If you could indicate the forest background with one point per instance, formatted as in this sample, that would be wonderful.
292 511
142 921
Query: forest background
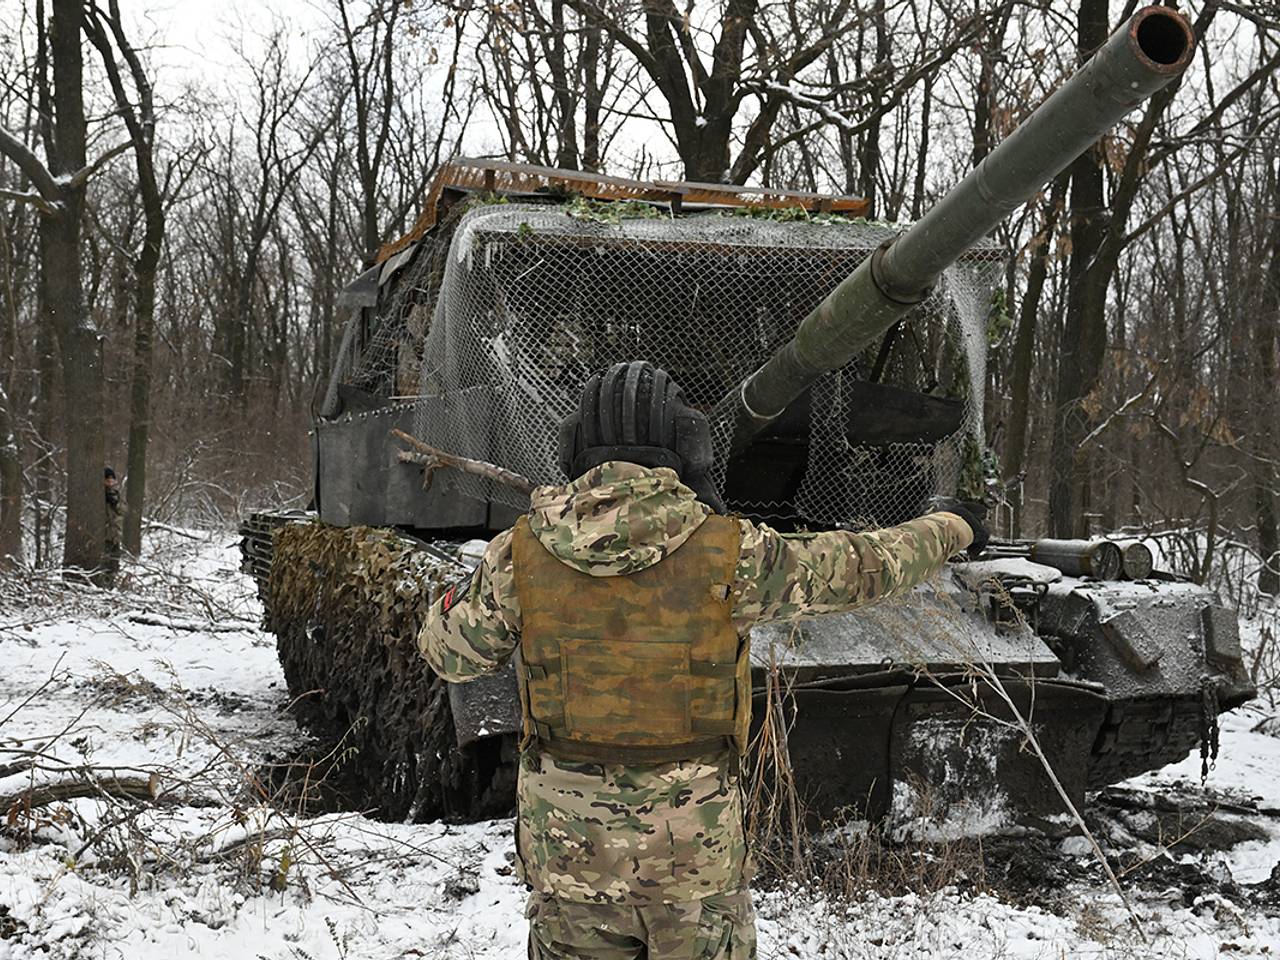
174 228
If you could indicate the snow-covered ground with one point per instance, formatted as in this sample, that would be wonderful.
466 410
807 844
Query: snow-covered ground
167 691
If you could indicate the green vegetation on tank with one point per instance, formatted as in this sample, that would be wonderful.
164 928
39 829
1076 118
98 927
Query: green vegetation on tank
612 211
999 322
799 214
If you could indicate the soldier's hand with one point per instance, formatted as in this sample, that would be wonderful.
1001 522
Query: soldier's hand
972 512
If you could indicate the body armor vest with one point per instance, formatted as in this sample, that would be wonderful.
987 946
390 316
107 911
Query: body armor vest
641 668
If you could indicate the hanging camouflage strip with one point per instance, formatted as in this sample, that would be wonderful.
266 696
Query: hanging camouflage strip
336 578
345 605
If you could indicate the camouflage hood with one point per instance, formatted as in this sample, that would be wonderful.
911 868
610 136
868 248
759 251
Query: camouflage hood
616 518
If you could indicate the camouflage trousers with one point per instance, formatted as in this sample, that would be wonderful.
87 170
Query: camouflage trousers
719 927
110 569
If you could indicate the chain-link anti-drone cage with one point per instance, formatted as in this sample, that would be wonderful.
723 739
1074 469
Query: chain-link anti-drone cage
507 308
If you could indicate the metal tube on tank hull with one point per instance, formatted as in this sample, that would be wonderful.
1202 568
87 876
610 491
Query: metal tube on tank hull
1144 55
1136 559
1100 559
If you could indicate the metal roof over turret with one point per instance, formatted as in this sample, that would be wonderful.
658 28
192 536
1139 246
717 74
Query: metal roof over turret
464 175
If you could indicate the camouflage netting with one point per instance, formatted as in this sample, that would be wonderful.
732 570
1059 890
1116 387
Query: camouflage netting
495 320
345 605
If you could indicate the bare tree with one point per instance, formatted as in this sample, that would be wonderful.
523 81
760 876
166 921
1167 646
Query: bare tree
549 80
1099 236
58 188
369 49
706 68
251 190
17 235
316 203
105 29
1040 253
1266 468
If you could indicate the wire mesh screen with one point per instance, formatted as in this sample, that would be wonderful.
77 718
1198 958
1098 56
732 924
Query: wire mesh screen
499 319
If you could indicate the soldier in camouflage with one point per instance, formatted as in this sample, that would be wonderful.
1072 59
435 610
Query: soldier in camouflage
113 532
649 860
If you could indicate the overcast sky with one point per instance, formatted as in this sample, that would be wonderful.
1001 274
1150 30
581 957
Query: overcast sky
197 38
196 41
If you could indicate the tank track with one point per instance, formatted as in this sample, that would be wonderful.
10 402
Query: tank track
360 680
255 544
1140 735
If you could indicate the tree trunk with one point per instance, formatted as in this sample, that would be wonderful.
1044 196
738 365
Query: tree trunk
1268 540
991 51
239 332
593 99
1015 455
140 121
843 138
10 451
1265 475
1085 332
10 487
922 162
140 394
79 342
703 134
869 154
80 353
327 298
46 364
566 126
707 157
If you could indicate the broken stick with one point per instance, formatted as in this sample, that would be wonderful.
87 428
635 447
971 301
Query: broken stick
432 459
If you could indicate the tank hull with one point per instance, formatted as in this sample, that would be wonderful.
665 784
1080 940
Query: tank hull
914 711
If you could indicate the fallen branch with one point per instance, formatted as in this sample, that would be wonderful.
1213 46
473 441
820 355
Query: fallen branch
260 839
18 766
1128 798
128 788
188 625
177 531
433 459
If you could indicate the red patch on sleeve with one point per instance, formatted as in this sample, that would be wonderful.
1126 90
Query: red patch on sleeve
456 592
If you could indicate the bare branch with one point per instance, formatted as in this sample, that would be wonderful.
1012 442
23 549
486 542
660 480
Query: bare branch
1121 411
31 165
81 176
37 201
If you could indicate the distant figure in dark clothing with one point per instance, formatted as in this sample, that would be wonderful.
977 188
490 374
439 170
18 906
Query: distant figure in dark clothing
114 529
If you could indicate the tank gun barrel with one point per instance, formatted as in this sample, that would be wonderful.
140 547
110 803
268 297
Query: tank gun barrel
1152 48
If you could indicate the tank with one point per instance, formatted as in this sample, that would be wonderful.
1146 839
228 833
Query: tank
841 361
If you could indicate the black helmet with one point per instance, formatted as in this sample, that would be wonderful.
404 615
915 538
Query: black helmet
636 412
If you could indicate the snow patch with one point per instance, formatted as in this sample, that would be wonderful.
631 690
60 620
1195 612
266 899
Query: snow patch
356 889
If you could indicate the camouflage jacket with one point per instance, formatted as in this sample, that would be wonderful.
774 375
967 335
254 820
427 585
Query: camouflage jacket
113 532
668 832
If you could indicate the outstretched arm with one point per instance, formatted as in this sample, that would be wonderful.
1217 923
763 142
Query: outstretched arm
475 626
782 576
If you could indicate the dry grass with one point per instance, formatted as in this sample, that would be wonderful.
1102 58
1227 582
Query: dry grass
212 803
846 859
251 822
